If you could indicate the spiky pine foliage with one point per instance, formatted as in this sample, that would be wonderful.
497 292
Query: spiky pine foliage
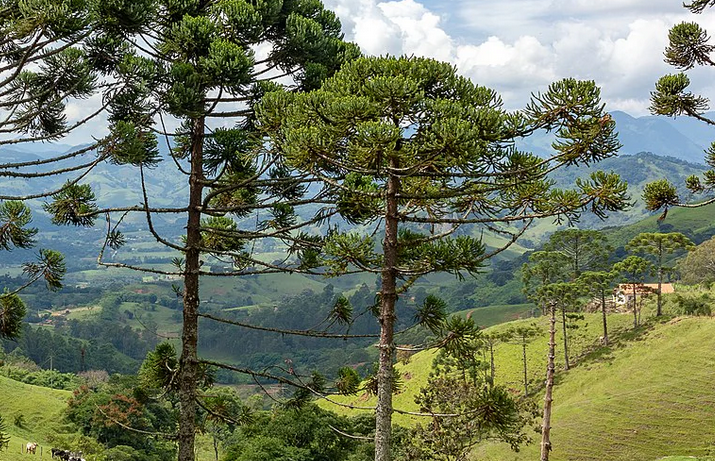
412 148
205 65
12 311
689 46
14 217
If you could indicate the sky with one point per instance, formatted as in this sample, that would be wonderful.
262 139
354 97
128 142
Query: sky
518 47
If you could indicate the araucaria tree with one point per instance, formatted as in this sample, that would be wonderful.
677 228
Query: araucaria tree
466 407
44 64
659 245
583 250
201 66
599 284
544 282
408 146
523 335
689 46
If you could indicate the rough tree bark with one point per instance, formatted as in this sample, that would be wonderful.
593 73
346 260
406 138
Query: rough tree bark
388 297
550 368
188 369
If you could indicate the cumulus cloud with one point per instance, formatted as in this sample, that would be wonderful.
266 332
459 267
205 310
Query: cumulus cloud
520 46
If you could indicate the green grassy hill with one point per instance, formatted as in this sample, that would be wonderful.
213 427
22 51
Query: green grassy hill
643 400
649 396
696 223
41 409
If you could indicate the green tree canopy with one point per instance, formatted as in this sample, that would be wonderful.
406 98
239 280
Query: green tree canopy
634 270
689 46
658 245
699 265
191 73
586 249
410 148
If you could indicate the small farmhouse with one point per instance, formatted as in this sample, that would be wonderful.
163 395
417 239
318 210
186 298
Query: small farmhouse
623 293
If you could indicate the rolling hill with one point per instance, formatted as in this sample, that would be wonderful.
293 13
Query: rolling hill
646 397
41 409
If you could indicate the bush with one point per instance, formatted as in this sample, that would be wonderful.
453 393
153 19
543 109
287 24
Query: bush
695 306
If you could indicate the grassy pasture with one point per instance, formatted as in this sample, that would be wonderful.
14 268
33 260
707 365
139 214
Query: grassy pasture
41 409
648 396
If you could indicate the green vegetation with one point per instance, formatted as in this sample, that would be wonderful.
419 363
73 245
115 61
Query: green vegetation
493 315
41 409
635 401
688 46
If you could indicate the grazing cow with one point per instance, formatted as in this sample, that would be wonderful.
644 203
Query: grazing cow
31 447
64 455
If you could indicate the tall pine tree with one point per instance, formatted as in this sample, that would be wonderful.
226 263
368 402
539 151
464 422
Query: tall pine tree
193 71
409 147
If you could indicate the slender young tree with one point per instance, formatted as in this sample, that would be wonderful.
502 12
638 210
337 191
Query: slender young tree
545 279
585 249
599 284
551 297
547 267
477 410
659 245
634 269
689 46
523 335
410 147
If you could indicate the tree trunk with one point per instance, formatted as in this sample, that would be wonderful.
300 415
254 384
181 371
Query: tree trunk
388 296
526 377
189 337
605 323
659 312
635 308
550 368
492 370
566 339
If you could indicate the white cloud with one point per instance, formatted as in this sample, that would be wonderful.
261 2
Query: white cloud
519 46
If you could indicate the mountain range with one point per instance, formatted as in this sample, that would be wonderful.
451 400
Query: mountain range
674 150
683 138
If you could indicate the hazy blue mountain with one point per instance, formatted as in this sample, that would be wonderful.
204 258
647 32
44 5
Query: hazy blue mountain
683 138
637 170
679 138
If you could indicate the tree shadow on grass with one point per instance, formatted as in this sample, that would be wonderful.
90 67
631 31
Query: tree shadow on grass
619 338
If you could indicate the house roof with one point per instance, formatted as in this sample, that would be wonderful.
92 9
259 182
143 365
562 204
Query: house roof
645 288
